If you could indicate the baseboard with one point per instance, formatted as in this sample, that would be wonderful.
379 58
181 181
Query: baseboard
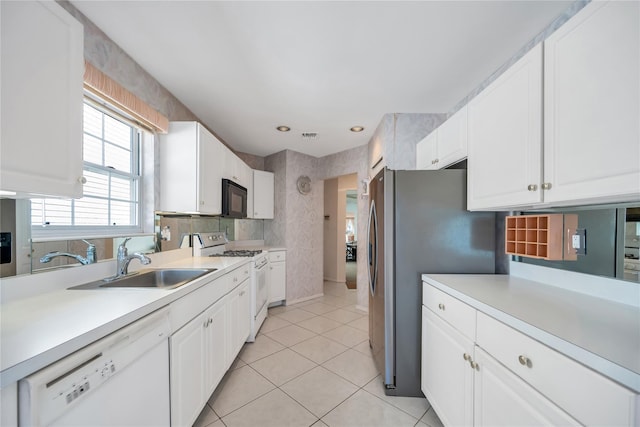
326 279
296 301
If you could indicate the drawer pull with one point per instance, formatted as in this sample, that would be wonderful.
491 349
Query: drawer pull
441 306
525 361
474 365
466 357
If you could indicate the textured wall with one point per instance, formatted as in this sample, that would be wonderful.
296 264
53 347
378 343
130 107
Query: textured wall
303 228
254 162
275 229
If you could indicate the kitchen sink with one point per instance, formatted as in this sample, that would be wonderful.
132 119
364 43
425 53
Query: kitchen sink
167 278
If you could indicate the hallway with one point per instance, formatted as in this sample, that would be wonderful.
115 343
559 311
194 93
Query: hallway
311 365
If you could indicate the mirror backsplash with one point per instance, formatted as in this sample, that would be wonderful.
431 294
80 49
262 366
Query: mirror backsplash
170 232
172 229
612 242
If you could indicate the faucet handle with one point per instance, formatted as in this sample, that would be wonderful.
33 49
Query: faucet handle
91 252
122 248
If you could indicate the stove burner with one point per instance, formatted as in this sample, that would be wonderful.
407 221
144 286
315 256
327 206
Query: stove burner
242 252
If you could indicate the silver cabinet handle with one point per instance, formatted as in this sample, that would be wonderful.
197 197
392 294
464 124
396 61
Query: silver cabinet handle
441 306
82 180
525 361
546 186
474 365
532 187
466 357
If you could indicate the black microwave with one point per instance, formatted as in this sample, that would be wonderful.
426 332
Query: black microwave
234 199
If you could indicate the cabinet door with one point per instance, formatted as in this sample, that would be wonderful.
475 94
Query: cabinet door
263 193
503 399
447 377
210 152
592 105
244 313
41 79
215 352
239 318
452 139
427 151
277 282
505 131
188 355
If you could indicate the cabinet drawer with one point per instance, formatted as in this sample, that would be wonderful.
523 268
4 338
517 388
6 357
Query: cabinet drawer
458 314
277 256
587 396
238 276
194 303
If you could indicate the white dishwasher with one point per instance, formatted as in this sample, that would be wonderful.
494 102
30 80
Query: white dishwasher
120 380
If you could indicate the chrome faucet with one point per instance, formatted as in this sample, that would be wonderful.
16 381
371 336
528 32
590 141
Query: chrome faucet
123 259
91 257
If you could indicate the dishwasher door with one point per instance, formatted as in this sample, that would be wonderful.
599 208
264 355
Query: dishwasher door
120 380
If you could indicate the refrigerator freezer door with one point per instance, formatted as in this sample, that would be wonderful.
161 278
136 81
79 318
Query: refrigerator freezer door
376 268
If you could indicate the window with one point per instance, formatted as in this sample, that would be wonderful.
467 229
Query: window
111 151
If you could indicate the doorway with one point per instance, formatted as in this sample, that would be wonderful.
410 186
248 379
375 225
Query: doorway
340 229
351 238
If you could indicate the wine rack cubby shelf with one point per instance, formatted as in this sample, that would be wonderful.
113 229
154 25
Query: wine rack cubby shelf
540 236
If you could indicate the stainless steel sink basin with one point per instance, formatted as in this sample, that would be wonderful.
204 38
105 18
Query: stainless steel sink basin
168 278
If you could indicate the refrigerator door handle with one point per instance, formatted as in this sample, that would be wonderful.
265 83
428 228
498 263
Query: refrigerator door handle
373 247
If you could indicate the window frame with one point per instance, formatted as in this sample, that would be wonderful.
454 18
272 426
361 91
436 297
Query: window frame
57 232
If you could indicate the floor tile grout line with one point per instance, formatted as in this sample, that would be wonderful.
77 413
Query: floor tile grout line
252 400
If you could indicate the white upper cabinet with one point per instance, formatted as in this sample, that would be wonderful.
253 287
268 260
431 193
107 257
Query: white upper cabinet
236 169
41 79
592 105
505 138
590 152
427 151
191 160
446 145
263 193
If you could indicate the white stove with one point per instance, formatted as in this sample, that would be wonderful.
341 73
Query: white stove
214 244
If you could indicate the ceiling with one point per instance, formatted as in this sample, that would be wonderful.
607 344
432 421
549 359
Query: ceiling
245 68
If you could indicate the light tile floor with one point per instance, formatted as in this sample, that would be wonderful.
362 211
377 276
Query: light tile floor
311 366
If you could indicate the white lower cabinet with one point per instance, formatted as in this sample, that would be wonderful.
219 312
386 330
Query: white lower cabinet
239 320
187 367
447 379
503 399
203 349
493 375
277 276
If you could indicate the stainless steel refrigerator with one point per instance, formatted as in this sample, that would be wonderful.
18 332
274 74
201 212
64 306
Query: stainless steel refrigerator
418 223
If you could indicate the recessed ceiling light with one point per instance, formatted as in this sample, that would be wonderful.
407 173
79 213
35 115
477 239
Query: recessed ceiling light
357 129
283 128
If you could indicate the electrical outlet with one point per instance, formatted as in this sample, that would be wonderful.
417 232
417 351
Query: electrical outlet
579 241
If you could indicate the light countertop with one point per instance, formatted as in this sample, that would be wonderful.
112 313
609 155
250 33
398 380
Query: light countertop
41 329
601 334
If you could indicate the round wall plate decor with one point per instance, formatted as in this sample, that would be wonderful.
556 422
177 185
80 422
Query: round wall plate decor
304 184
